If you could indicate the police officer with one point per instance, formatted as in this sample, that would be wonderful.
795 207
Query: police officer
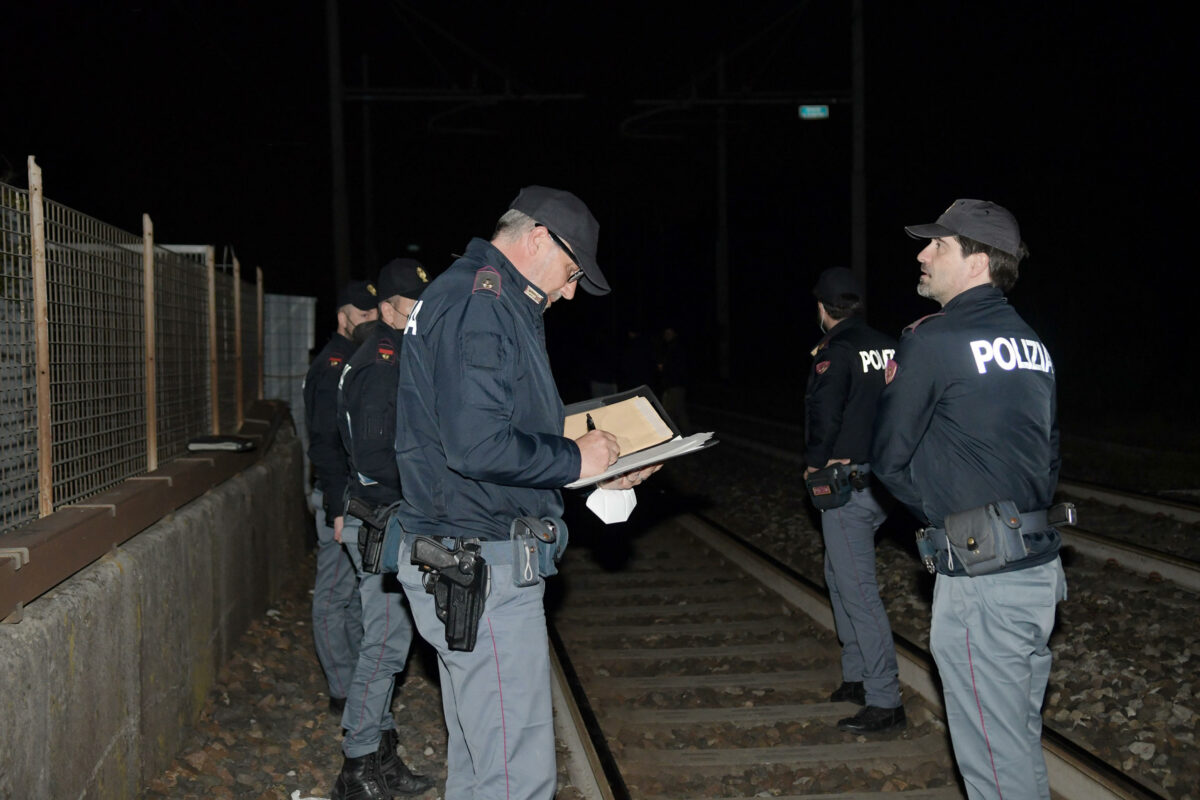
367 420
479 443
337 615
839 411
967 437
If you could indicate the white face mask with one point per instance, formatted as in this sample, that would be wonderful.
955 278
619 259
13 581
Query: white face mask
612 505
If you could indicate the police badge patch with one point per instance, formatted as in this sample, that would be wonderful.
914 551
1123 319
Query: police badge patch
824 365
889 371
487 279
386 351
335 362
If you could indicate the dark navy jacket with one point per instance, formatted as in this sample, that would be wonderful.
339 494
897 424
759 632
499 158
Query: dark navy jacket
367 415
479 421
844 384
325 450
969 414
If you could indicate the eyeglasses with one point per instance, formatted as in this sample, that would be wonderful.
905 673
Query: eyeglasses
578 273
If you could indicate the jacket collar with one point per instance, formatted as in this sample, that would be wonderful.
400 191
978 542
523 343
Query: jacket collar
852 321
513 285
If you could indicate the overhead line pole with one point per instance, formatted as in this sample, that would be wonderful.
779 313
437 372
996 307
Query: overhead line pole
337 146
858 168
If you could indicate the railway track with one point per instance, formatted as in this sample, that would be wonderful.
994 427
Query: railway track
1138 558
701 669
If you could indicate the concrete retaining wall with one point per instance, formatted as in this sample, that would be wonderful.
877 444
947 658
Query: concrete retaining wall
106 675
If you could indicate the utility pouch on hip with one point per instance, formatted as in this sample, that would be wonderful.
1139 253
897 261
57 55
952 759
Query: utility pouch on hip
457 579
927 550
830 487
986 539
538 544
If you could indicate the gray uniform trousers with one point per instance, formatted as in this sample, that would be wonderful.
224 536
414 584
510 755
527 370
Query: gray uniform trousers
496 698
868 652
336 612
989 637
386 640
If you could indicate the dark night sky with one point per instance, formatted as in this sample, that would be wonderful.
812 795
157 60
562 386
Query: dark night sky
213 118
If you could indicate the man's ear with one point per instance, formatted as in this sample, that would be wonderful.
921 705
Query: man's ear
538 239
978 264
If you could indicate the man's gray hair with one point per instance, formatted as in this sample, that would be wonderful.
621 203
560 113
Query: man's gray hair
513 224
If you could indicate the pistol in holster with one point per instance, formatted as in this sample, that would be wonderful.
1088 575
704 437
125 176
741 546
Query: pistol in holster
457 579
374 532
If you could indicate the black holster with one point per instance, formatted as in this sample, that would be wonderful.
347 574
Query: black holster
457 579
371 535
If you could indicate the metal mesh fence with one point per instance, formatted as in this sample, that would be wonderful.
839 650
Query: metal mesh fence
226 351
182 379
249 344
96 321
18 407
97 353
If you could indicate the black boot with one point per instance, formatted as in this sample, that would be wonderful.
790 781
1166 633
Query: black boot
360 779
849 692
873 719
397 777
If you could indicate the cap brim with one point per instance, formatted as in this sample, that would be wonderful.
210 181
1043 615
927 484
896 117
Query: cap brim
930 231
593 279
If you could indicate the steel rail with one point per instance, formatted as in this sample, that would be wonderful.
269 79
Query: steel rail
1137 558
1147 504
1075 773
590 764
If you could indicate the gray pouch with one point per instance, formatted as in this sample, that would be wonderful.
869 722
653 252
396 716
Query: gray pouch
538 544
986 539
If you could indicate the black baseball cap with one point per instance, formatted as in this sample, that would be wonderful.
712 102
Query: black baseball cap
981 220
360 294
838 286
567 216
402 276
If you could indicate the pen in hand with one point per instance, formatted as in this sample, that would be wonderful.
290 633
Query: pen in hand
591 424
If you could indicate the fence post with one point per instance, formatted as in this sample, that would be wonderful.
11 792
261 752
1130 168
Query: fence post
151 369
41 326
239 379
258 276
213 393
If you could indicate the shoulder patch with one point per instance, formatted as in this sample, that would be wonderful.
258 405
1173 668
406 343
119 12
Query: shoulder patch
913 326
821 367
487 279
336 362
889 372
386 351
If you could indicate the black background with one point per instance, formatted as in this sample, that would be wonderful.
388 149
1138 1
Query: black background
213 118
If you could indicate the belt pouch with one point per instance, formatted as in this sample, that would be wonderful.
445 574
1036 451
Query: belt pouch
985 539
525 558
830 487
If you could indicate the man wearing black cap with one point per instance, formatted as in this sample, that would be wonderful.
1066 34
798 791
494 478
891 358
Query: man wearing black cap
839 411
337 617
367 419
967 437
479 443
